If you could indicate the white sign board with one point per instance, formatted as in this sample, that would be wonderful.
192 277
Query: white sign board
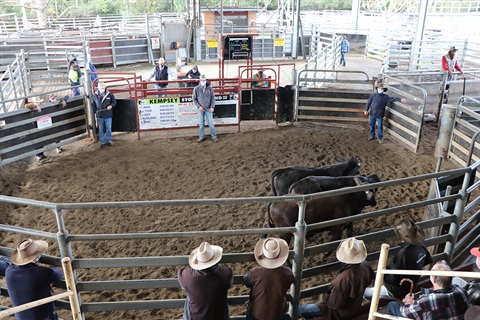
44 122
178 112
155 43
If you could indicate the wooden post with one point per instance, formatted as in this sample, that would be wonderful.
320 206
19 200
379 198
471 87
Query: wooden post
382 263
70 281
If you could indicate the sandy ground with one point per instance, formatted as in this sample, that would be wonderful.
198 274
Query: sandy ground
171 165
174 166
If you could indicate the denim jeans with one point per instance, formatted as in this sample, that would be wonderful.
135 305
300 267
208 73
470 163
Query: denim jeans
342 58
309 311
384 294
394 309
379 122
76 91
201 122
105 129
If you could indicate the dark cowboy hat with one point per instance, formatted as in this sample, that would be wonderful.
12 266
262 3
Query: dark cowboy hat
409 232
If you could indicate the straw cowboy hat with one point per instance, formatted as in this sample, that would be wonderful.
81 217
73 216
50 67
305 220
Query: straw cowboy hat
27 251
271 253
351 251
205 256
409 232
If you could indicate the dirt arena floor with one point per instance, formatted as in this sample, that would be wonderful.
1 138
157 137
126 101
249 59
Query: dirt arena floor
177 167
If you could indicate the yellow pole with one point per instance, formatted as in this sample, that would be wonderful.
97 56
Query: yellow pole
70 281
382 263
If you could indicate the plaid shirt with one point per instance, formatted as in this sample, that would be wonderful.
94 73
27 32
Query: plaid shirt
443 304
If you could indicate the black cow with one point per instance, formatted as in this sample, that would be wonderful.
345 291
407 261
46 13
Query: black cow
313 184
283 178
285 214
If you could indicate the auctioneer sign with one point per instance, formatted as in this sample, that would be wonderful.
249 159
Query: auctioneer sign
178 112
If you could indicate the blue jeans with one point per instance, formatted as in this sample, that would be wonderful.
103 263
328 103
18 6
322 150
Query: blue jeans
105 129
201 122
379 122
309 311
394 309
342 58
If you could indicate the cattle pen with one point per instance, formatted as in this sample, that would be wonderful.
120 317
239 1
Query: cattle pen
442 244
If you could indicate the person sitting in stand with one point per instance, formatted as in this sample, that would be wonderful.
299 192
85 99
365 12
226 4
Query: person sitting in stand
193 74
444 302
260 75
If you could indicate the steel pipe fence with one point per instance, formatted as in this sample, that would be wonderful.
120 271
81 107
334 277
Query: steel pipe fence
300 249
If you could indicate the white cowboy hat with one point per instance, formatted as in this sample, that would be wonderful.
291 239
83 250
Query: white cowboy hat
205 256
351 251
27 251
271 253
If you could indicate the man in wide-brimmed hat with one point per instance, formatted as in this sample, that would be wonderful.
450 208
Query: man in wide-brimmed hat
269 282
344 296
375 109
412 256
27 281
206 284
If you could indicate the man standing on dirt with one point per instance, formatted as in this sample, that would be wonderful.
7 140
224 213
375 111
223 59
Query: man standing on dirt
204 99
103 103
344 48
376 105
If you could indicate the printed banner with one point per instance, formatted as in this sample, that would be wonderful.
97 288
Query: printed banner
178 112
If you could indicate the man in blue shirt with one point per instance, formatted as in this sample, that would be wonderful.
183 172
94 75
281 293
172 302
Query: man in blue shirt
376 105
27 281
344 48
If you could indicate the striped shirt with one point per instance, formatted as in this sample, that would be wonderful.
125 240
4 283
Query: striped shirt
442 304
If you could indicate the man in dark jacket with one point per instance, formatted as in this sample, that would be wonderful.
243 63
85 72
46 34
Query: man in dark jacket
344 296
193 74
269 282
206 284
27 281
204 99
376 105
103 103
412 256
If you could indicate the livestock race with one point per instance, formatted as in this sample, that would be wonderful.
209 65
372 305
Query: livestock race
305 165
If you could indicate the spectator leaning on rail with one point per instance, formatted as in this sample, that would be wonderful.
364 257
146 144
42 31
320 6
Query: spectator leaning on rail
269 282
344 296
204 99
261 76
27 281
193 74
103 103
444 302
412 256
450 63
344 48
206 284
161 72
376 105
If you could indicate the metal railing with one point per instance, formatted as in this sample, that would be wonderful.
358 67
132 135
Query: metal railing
300 250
